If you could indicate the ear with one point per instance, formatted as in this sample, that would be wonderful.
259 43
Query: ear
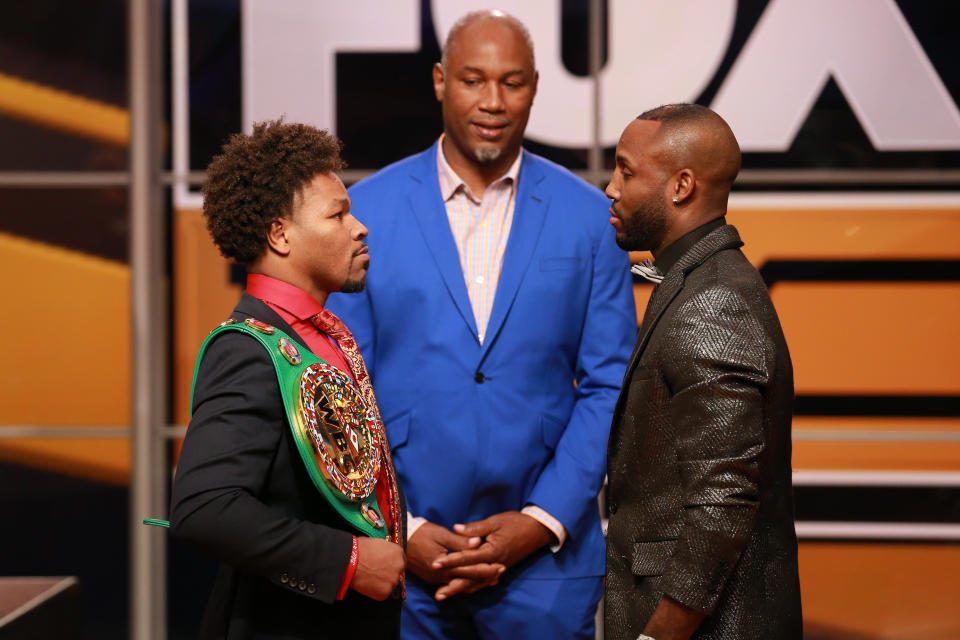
277 237
438 81
536 79
684 183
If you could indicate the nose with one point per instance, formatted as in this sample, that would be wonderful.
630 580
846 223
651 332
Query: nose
360 231
612 190
492 98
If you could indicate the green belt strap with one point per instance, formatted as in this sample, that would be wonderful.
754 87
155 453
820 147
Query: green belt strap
288 377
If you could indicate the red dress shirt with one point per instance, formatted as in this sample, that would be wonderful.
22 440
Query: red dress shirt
296 307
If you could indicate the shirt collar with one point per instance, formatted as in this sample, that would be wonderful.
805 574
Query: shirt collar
288 297
450 181
669 256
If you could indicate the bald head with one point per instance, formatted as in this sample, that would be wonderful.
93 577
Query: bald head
674 169
692 136
477 18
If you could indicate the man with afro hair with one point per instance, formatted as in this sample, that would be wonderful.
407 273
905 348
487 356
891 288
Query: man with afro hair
298 559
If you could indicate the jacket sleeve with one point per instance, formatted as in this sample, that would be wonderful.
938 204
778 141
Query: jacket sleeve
568 486
230 447
717 369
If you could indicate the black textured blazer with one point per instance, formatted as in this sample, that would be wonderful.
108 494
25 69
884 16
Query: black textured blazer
242 494
700 495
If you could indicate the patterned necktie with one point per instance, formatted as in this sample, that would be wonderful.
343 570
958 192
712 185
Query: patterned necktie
331 325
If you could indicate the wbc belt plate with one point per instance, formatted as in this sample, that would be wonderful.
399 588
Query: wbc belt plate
338 436
335 419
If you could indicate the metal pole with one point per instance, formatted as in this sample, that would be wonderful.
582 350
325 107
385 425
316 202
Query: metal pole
180 94
149 348
595 44
594 170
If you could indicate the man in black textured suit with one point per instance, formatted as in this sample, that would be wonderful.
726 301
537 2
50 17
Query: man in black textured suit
701 540
291 566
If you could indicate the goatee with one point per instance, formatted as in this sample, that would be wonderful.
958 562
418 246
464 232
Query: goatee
487 156
354 286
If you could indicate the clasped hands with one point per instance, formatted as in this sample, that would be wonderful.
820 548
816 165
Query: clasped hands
473 556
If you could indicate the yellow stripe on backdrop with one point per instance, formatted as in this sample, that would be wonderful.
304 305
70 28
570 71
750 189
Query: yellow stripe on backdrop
880 591
66 356
63 111
896 454
203 297
866 338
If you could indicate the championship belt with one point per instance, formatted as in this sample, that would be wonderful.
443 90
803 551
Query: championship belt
339 436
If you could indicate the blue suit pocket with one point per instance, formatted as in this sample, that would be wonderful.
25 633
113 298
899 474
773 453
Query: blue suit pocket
398 430
561 264
552 430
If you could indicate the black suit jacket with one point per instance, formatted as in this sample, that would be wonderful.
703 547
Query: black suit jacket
700 494
242 494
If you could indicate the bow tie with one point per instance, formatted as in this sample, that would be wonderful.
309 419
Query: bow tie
646 269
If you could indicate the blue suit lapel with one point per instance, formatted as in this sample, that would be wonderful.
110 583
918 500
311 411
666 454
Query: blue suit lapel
529 214
428 209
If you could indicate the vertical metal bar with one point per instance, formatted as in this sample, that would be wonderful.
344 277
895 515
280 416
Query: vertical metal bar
180 89
595 171
595 44
149 347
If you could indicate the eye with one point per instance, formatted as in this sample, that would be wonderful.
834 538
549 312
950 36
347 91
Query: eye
471 82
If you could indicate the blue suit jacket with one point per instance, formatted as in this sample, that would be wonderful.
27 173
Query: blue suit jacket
523 418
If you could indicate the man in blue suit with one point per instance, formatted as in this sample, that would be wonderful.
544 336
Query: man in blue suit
496 323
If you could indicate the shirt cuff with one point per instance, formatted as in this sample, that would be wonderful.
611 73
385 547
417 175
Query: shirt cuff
351 569
413 524
551 523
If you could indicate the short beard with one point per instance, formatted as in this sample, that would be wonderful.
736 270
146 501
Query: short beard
487 156
645 228
358 285
354 286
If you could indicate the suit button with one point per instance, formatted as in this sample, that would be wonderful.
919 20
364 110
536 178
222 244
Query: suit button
612 508
479 377
302 585
284 578
311 589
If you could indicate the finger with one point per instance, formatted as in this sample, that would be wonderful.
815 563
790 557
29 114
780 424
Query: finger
484 554
455 542
478 571
425 552
460 585
479 528
455 586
